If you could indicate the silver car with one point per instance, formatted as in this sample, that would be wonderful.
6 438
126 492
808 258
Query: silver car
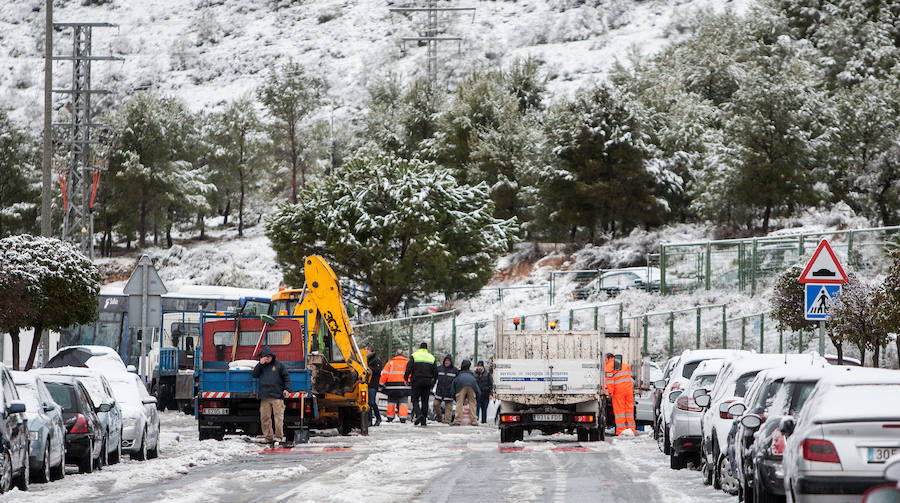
839 442
46 433
685 428
140 419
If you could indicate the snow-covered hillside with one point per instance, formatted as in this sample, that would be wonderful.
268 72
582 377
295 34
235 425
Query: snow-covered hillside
209 51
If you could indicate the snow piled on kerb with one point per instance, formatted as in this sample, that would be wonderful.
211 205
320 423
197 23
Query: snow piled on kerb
180 452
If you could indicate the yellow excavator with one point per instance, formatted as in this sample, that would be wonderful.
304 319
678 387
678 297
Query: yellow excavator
338 369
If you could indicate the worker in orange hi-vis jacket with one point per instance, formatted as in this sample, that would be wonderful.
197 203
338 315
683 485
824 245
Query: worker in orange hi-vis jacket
620 387
394 385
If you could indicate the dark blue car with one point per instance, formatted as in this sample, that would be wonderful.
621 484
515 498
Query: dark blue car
14 467
46 432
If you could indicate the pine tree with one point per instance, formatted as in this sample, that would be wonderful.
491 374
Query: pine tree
19 179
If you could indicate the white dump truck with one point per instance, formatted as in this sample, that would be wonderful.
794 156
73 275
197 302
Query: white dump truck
554 380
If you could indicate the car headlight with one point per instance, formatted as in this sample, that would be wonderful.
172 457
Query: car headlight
131 421
32 435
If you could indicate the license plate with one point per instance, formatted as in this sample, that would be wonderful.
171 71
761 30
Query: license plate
215 411
881 454
547 417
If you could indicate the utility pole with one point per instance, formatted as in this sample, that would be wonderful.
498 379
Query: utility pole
431 35
80 173
46 188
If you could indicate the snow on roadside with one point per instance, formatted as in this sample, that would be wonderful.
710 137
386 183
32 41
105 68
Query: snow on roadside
180 452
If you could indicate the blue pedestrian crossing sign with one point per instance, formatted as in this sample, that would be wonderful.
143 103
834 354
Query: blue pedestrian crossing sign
819 300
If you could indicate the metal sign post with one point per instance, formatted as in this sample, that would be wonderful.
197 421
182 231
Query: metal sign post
144 292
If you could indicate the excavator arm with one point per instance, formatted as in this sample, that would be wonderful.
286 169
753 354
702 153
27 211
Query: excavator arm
323 305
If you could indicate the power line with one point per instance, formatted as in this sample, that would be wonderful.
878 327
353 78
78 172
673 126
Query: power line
431 35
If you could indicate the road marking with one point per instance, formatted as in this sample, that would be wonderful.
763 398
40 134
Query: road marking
559 494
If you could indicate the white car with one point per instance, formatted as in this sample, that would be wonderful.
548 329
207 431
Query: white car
732 384
678 379
643 398
96 357
685 423
140 419
839 442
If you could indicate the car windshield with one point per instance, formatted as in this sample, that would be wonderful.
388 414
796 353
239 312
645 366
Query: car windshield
94 388
704 381
125 391
766 395
689 369
28 393
740 386
62 394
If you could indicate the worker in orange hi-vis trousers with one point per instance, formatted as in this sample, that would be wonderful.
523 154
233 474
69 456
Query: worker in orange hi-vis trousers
620 387
395 386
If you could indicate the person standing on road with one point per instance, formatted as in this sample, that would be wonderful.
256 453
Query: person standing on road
466 390
375 366
443 393
486 387
621 391
396 387
421 374
273 387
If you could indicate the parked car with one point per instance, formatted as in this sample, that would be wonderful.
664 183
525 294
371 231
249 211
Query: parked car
838 444
140 433
14 465
731 385
101 393
845 360
95 357
761 471
680 376
84 432
685 429
660 387
644 398
46 433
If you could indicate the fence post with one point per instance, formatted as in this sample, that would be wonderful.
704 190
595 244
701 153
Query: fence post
500 295
724 328
453 337
571 316
743 331
753 271
646 323
390 335
412 335
698 327
800 341
780 340
662 270
476 341
708 265
762 331
546 322
671 334
523 322
621 319
596 317
850 249
552 275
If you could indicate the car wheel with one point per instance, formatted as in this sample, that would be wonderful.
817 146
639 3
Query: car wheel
22 481
760 495
727 481
103 458
86 465
141 453
5 473
43 476
677 462
59 471
667 447
154 452
116 456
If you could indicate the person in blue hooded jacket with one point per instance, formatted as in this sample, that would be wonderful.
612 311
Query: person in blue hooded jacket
273 387
466 390
443 391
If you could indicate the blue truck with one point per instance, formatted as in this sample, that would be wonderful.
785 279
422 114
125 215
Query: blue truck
226 392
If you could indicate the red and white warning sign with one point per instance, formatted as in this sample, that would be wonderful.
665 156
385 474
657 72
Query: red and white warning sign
824 267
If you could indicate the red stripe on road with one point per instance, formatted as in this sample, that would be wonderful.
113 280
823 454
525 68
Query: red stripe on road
571 449
512 449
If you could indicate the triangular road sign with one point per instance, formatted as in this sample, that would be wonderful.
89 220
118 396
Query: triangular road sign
824 267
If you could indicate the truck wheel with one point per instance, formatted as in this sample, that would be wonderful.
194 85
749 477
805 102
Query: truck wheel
504 435
364 424
594 435
345 421
519 433
583 435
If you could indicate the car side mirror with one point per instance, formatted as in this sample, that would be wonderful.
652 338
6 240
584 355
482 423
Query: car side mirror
737 409
703 401
674 396
659 384
149 401
131 369
751 421
15 408
48 406
786 426
700 392
104 407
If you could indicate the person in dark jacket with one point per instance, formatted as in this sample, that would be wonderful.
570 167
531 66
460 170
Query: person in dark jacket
486 386
273 387
421 372
466 390
443 392
375 366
